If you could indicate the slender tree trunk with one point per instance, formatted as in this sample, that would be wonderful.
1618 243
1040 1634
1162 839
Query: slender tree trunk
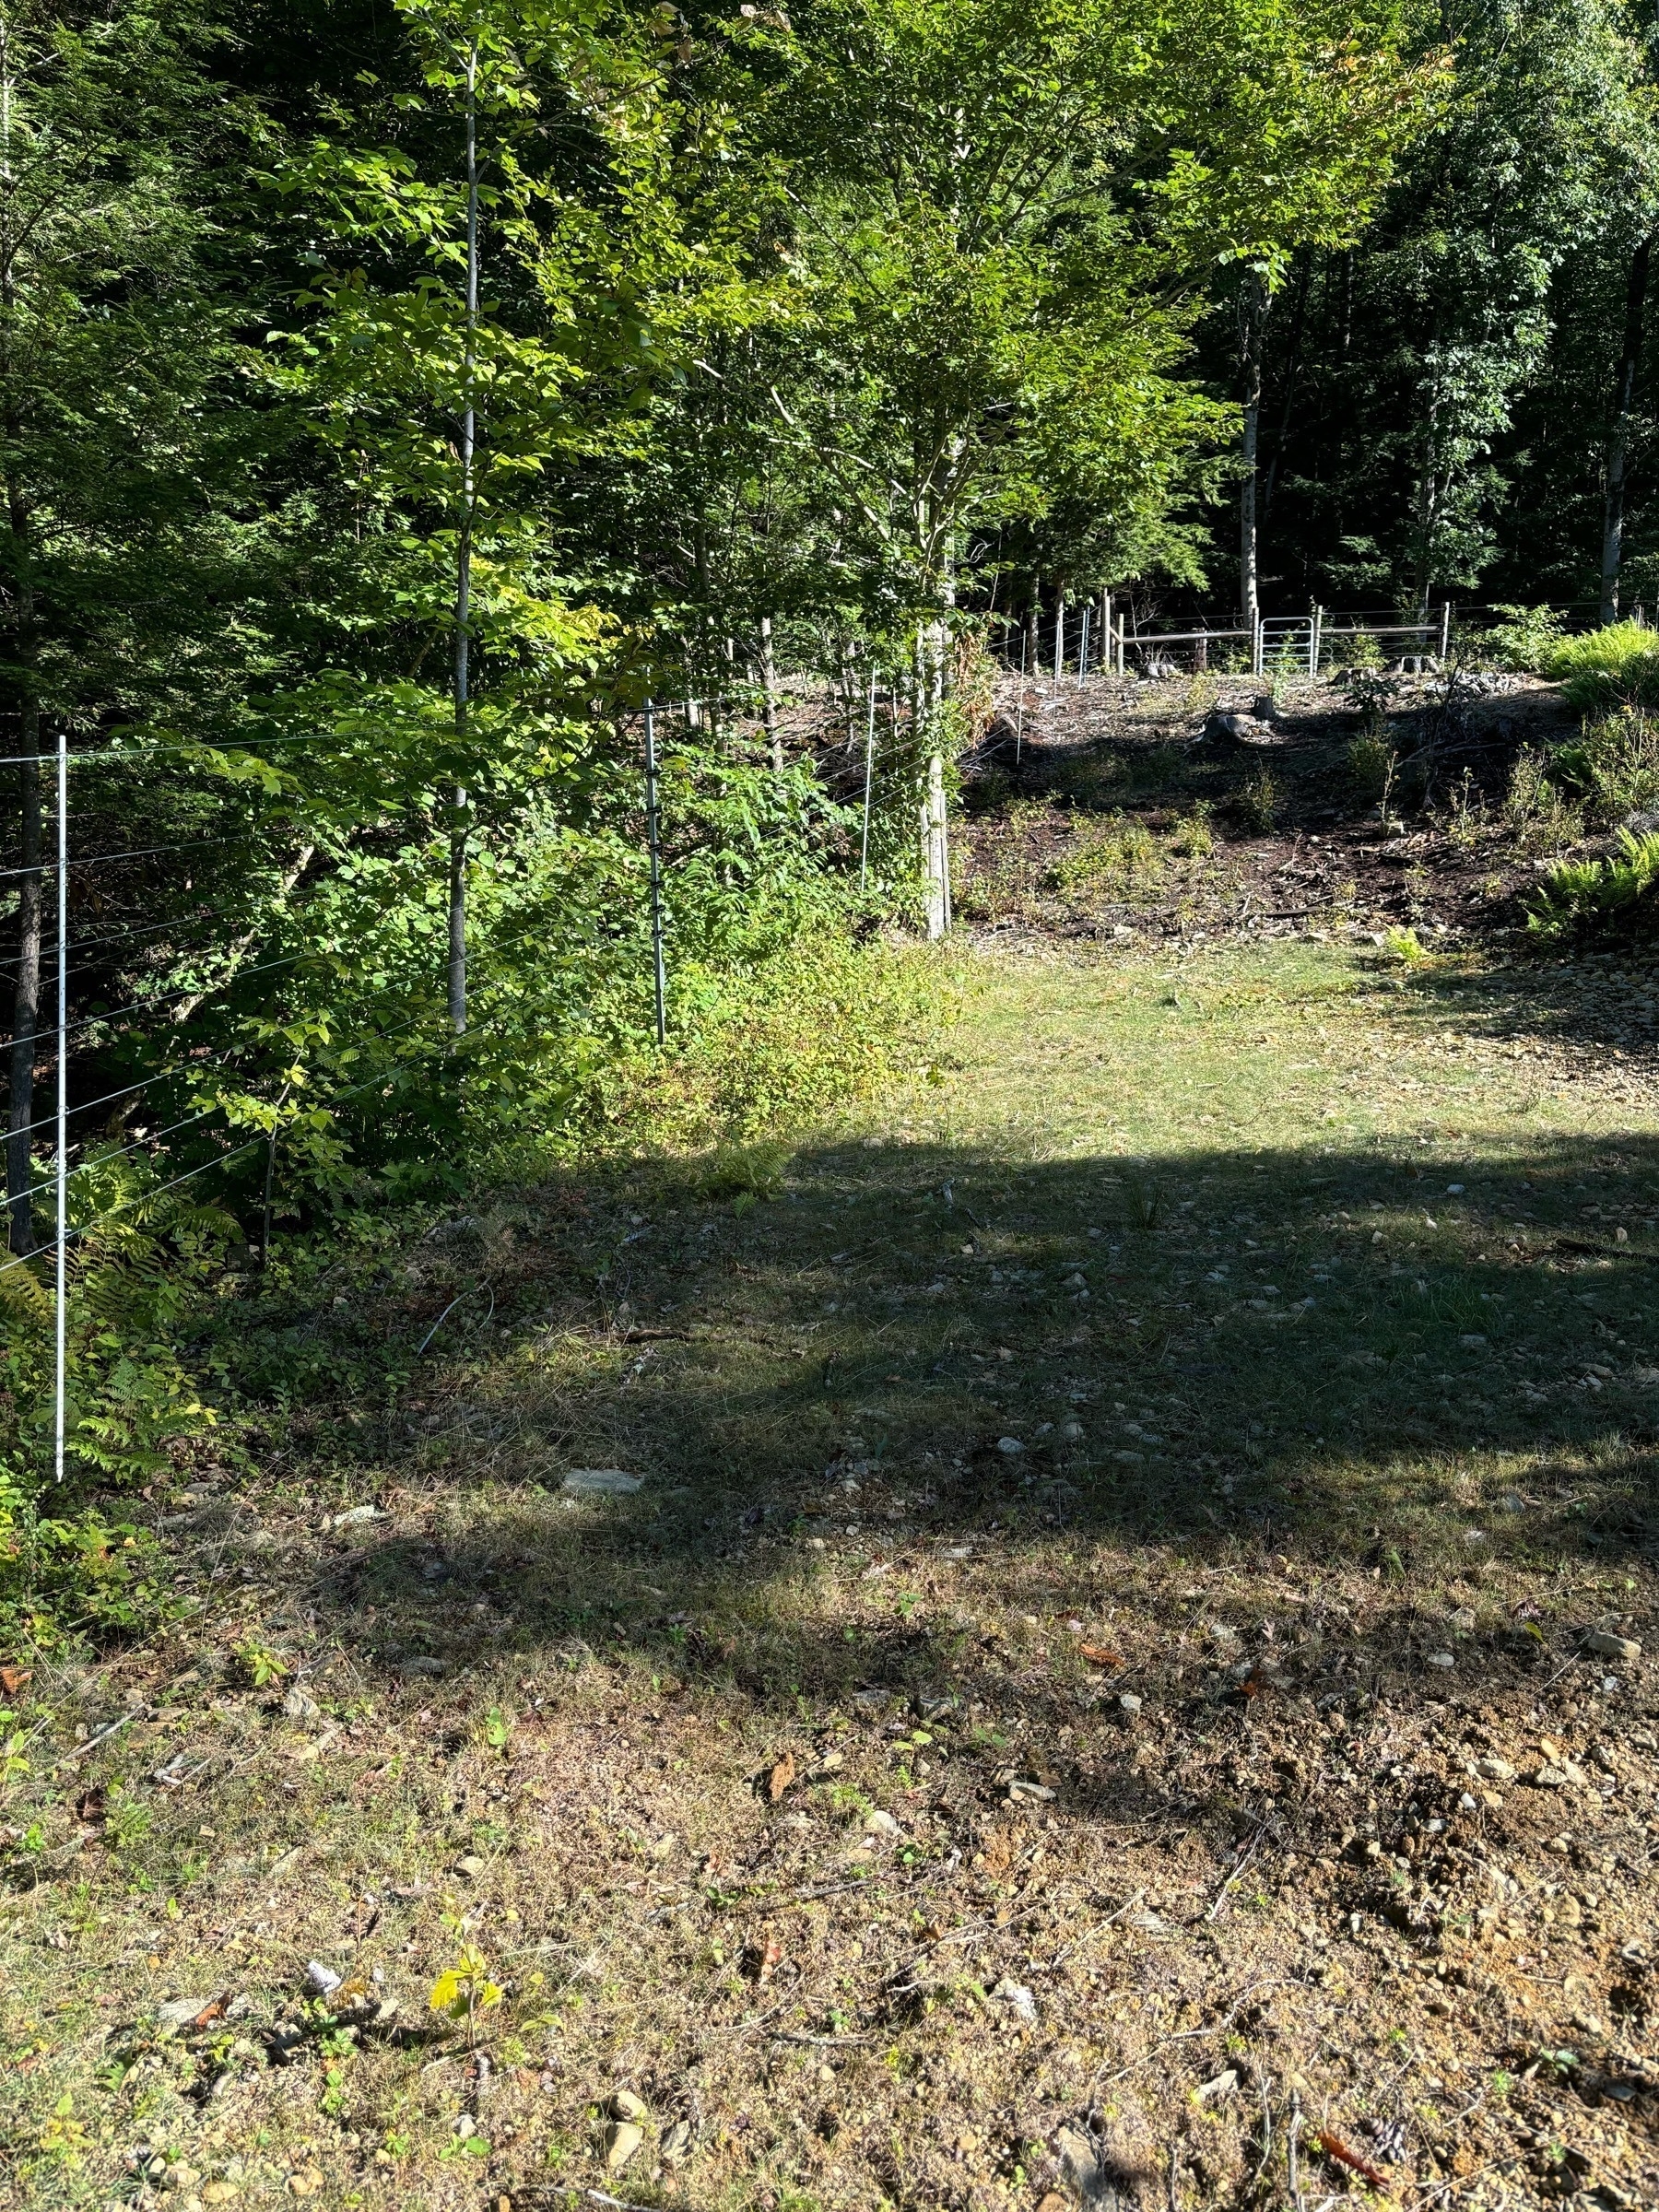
1252 316
457 860
1618 435
769 694
26 1002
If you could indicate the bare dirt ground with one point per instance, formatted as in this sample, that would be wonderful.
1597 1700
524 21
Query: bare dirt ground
1299 842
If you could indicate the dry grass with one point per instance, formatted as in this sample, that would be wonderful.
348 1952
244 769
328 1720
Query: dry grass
804 1793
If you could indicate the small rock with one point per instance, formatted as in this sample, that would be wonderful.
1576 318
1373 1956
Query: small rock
1152 1924
180 2012
601 1482
1035 1793
1014 1994
1549 1778
622 2138
305 2184
625 2105
1473 1343
1463 1620
422 1663
471 1865
1493 1768
323 1979
1611 1646
1010 1445
1221 2085
1128 1702
675 2143
355 1516
1071 1431
298 1707
881 1824
1441 1659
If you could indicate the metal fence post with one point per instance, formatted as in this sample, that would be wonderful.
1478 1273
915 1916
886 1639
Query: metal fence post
60 1349
1019 702
654 840
1445 627
864 857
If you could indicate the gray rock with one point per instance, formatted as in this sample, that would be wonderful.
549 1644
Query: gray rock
1611 1646
601 1482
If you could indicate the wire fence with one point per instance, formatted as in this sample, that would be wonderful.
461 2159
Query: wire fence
857 728
1102 637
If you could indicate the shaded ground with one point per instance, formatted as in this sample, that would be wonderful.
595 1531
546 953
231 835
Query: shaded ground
1098 1677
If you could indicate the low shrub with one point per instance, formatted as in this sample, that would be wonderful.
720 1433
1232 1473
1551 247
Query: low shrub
1113 857
1524 641
1614 763
1539 818
1616 895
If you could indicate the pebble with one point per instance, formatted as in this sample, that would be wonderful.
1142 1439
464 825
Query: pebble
1010 1445
323 1979
1493 1768
1018 1997
182 2012
298 1707
356 1515
1610 1646
1128 1702
881 1824
1441 1659
625 2105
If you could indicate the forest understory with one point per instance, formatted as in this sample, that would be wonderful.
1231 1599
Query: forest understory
1082 1633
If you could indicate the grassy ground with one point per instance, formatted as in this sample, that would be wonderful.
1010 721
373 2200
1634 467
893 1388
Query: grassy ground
1091 1694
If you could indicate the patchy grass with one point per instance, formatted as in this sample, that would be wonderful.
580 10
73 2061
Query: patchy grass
1095 1674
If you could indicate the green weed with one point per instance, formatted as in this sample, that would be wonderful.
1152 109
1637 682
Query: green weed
1371 763
1540 818
1261 799
1114 858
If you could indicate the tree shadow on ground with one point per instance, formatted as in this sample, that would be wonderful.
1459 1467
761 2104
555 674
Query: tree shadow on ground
896 1422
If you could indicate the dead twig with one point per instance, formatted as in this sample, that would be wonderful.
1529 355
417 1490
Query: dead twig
138 1712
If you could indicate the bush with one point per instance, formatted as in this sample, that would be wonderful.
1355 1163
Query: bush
1525 642
1581 898
1615 763
1618 665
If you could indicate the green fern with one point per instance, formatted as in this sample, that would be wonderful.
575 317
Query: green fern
1577 897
